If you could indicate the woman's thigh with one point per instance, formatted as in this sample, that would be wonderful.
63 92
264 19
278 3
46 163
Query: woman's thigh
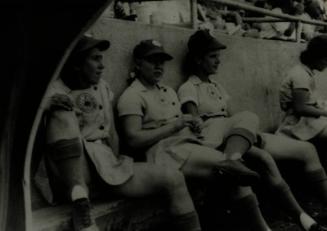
201 162
284 148
149 179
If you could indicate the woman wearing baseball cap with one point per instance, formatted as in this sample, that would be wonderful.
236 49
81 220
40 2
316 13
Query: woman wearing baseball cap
206 99
83 146
305 112
152 121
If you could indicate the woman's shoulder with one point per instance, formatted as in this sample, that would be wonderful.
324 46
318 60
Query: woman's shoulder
297 71
57 86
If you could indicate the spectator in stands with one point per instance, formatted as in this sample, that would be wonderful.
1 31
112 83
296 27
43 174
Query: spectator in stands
307 30
217 17
277 30
83 146
315 8
306 112
123 11
204 98
152 120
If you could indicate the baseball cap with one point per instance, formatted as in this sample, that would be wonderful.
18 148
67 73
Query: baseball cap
202 41
88 42
150 47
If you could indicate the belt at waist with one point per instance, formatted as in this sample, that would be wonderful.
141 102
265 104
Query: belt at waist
206 117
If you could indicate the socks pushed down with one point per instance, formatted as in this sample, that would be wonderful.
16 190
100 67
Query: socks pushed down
78 192
248 210
318 179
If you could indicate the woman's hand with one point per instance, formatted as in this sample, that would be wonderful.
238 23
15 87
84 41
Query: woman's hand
61 102
188 120
196 125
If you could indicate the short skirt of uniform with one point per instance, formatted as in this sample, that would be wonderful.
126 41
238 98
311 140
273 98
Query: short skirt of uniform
301 127
217 129
114 170
176 150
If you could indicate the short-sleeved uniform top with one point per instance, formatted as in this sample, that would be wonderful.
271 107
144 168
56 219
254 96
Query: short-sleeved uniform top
210 97
212 100
157 107
92 107
301 127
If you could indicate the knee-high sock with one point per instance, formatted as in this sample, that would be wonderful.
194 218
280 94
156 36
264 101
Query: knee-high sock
236 146
318 180
187 222
67 157
283 192
247 209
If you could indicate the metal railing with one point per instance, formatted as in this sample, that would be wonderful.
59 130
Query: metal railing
277 17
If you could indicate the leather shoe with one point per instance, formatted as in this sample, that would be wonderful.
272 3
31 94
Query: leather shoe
235 171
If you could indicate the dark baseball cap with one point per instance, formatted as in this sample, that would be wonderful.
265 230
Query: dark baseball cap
202 41
88 42
150 47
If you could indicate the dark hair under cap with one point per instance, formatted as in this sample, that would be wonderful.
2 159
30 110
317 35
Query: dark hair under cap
202 41
318 45
316 49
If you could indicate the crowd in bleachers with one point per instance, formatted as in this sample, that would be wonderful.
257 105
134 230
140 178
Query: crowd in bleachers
231 20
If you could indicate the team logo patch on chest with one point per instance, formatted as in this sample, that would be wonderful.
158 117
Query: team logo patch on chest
86 102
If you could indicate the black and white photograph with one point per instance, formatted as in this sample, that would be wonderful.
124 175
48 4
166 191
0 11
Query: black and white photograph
156 115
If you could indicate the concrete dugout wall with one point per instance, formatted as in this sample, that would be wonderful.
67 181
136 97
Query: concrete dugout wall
250 70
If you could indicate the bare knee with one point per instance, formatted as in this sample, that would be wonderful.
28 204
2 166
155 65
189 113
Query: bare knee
173 179
265 158
308 153
241 192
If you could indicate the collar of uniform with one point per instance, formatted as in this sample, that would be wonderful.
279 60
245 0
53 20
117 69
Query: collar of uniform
63 86
196 80
138 85
308 70
68 90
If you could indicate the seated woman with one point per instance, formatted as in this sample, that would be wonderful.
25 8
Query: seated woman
152 120
305 117
206 99
83 148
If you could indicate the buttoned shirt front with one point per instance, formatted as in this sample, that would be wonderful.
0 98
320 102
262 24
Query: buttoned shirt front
156 106
210 97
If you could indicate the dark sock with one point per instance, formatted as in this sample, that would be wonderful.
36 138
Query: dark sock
66 155
318 179
284 194
247 209
187 222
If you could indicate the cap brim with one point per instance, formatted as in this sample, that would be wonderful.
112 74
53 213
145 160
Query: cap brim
90 43
163 55
102 45
218 46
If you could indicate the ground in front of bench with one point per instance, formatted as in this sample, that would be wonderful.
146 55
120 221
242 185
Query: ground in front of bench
129 215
